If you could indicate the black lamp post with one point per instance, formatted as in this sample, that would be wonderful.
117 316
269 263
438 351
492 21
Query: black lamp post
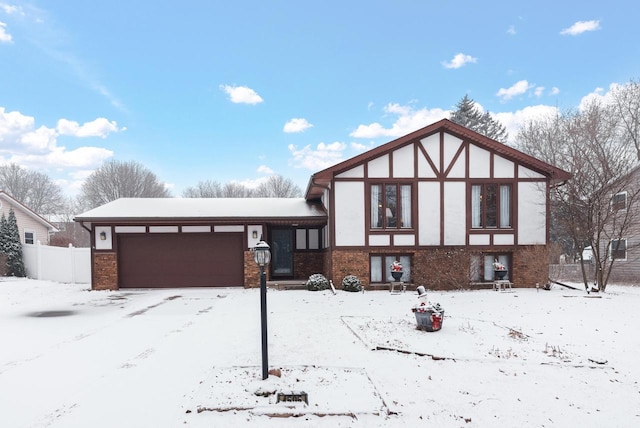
262 256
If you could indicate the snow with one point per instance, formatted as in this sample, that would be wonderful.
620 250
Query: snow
192 358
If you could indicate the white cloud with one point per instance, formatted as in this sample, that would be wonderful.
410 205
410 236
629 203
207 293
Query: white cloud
408 121
514 120
359 147
21 142
581 27
241 94
9 9
297 125
323 156
518 88
511 30
555 91
459 60
99 127
4 36
265 169
538 91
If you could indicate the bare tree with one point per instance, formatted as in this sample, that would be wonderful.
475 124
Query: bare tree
589 144
626 102
32 188
204 189
236 190
277 186
114 180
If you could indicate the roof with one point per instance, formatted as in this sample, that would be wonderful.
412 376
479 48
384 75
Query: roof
38 218
321 179
174 209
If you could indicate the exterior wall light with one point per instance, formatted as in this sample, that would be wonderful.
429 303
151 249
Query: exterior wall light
103 236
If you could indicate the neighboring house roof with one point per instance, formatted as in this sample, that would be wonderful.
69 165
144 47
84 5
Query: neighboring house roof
321 179
234 209
19 205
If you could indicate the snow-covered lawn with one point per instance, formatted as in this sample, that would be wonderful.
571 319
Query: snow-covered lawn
70 357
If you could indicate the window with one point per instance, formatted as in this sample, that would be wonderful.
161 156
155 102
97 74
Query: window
619 201
29 237
618 249
481 267
491 206
381 267
391 206
308 239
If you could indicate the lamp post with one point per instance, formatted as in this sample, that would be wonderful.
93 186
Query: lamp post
262 257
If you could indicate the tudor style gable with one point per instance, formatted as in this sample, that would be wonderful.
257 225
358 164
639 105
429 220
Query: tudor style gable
441 186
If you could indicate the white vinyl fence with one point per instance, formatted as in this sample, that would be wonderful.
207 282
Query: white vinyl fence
60 264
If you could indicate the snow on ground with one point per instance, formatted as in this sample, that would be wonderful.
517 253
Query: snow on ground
70 357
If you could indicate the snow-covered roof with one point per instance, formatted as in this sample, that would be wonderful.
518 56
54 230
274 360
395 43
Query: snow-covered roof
204 208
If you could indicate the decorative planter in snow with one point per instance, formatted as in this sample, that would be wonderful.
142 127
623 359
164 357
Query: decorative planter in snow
500 274
429 320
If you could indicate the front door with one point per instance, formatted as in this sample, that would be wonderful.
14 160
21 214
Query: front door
281 252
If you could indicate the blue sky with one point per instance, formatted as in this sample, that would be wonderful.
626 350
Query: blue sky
236 91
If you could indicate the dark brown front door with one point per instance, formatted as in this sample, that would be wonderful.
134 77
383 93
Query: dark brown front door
166 260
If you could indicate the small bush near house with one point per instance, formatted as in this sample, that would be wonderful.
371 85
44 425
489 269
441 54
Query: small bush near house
317 282
351 283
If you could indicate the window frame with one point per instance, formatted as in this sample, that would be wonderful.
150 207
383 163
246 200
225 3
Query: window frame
615 205
402 205
33 236
499 203
626 247
405 259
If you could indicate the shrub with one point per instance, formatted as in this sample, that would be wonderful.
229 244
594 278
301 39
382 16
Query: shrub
351 283
317 282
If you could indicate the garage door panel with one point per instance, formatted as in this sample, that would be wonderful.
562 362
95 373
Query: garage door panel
180 260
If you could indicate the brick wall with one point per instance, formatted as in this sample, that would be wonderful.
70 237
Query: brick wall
443 268
307 263
251 271
531 266
105 271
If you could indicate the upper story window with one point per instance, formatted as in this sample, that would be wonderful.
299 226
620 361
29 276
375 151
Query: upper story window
391 206
619 201
618 249
491 206
29 237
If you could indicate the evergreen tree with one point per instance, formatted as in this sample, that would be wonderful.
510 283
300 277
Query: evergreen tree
12 246
3 243
469 115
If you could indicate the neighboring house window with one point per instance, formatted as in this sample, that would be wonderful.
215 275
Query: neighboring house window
29 237
619 201
491 206
618 249
391 206
381 267
481 268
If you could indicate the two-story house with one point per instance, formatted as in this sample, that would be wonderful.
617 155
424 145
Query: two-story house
444 201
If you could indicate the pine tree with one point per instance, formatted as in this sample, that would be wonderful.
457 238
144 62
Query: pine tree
12 246
3 243
468 115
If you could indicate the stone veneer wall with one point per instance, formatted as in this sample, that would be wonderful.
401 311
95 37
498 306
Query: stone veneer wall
443 268
105 271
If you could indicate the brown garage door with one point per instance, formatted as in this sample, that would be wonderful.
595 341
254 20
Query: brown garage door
180 260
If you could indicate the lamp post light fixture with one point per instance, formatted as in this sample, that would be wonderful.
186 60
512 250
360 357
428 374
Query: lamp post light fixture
262 257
